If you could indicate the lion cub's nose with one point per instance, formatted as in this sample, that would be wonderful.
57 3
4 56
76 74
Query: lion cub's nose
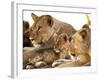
67 57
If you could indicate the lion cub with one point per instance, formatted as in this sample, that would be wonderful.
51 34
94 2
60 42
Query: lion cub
78 48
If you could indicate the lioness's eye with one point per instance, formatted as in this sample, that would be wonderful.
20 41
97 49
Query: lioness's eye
39 27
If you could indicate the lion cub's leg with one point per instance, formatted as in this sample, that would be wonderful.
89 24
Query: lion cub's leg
42 58
37 62
81 60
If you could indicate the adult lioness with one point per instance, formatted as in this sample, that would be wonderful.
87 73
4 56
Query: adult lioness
44 28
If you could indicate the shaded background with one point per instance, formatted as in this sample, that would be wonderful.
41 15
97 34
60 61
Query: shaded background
75 19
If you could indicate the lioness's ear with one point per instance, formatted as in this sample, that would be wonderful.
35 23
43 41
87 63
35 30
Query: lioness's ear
34 17
49 20
83 33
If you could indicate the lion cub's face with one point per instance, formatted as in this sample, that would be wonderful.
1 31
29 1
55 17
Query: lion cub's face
40 29
80 45
81 40
63 46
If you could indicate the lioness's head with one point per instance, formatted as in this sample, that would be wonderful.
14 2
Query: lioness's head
40 30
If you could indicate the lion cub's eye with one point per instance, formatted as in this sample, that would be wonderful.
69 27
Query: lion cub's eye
70 39
31 29
73 54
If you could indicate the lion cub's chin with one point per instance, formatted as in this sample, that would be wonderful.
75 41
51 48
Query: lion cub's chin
56 50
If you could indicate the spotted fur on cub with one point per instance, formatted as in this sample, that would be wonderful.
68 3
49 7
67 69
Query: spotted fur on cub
40 58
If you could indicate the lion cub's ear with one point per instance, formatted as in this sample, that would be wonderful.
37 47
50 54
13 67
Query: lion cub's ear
34 17
64 36
62 39
86 26
83 33
48 20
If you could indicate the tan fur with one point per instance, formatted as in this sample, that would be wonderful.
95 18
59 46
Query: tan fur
78 49
67 44
45 26
62 44
33 56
